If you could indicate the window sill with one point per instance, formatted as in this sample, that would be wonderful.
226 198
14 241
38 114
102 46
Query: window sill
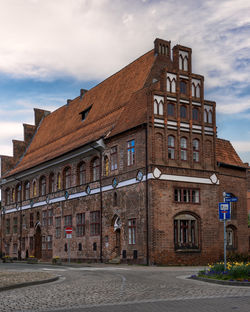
187 250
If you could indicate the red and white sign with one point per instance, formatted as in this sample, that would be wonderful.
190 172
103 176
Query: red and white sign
68 230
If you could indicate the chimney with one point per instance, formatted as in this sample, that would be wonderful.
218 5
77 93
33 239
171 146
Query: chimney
82 93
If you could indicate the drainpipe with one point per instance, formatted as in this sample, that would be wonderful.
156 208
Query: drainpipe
147 199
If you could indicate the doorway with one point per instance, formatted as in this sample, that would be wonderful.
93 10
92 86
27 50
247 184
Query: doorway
38 242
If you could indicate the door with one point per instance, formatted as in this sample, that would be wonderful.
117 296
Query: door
38 243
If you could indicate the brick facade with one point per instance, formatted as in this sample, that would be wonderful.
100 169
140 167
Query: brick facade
133 165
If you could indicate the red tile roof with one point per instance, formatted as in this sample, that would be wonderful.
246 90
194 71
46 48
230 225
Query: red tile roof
63 130
225 153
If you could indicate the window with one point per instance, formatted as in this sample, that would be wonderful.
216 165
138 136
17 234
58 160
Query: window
171 85
186 232
44 217
183 111
106 166
170 109
84 113
95 223
31 243
42 186
67 177
183 87
231 237
50 217
7 196
171 146
15 248
51 183
183 149
80 224
34 189
131 152
158 107
113 158
14 225
196 90
18 192
196 150
131 231
26 190
31 220
49 240
81 173
13 195
80 247
59 181
96 169
44 242
58 227
210 117
187 195
7 226
183 62
115 199
68 221
195 114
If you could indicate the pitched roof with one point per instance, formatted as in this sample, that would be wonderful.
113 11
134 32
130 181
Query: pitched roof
225 153
63 130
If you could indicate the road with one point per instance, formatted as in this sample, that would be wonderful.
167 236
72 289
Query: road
124 288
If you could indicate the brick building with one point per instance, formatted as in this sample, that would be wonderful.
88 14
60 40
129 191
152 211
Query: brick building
133 165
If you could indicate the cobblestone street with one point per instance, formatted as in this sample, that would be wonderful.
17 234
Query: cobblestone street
94 288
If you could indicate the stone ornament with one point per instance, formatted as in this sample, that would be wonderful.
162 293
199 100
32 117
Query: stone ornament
156 173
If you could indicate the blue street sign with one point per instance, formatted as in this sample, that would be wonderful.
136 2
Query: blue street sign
227 194
231 199
224 211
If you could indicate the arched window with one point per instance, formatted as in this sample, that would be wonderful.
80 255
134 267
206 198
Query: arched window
210 117
59 181
170 109
95 169
81 171
186 231
67 177
171 85
205 115
7 196
183 62
106 166
196 150
34 189
158 107
183 148
18 192
27 190
195 113
183 87
42 186
171 147
198 91
231 237
13 195
183 111
51 182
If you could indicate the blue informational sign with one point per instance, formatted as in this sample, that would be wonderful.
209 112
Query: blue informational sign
227 194
224 211
231 199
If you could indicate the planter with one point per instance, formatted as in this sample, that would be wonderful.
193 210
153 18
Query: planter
56 261
7 260
32 260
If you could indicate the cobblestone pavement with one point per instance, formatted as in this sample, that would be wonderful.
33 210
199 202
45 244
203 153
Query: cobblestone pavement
8 279
90 287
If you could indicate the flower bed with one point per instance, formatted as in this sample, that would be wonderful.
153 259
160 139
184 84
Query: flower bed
235 271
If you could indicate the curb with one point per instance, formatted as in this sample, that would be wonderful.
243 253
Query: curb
53 279
220 282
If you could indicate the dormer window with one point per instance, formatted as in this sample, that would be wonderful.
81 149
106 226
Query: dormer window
84 113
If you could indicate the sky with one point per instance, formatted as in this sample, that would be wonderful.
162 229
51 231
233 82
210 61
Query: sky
50 49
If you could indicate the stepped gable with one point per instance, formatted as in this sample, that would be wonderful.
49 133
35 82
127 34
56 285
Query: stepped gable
226 154
63 130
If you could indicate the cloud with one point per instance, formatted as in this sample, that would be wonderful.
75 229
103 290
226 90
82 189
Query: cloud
241 146
92 39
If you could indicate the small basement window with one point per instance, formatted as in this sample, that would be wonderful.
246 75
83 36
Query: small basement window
84 113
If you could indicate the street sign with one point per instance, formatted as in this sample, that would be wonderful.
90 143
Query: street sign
231 199
68 235
68 230
224 211
227 194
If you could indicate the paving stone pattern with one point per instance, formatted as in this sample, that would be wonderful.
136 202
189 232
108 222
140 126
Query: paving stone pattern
82 287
